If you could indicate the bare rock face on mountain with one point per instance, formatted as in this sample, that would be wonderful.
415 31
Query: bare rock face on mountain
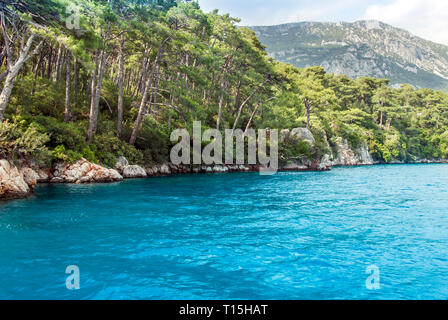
13 184
359 49
83 172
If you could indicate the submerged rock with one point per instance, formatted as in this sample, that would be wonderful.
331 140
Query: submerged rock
13 184
83 172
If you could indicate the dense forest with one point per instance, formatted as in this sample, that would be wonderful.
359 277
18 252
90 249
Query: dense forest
101 79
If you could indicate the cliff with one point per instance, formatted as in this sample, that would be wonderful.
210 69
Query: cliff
344 155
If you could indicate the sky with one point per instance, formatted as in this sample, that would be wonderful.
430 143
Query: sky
425 18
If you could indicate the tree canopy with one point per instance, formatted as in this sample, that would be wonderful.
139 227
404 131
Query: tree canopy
124 75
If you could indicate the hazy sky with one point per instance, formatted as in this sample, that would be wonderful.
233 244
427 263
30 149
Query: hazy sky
425 18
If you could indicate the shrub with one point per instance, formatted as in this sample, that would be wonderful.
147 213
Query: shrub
291 148
89 155
444 144
18 139
108 147
153 139
68 156
352 136
321 146
47 97
61 133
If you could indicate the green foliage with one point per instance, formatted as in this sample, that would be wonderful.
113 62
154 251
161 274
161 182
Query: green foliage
61 133
108 147
291 149
209 69
60 154
17 139
38 96
320 146
153 140
89 155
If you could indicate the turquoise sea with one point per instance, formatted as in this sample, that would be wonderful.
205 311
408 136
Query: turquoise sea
304 235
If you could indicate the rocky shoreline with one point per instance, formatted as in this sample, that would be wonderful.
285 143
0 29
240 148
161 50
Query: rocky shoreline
17 180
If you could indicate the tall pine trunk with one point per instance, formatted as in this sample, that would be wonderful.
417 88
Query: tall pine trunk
144 100
93 120
58 64
75 81
14 67
221 100
120 88
67 114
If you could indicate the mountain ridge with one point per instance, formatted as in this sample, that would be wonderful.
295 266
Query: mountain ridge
364 48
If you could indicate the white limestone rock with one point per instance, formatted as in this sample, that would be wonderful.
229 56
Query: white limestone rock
134 171
12 182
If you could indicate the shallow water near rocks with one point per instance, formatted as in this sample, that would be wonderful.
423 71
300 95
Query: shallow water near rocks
304 235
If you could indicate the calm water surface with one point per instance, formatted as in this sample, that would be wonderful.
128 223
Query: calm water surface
233 236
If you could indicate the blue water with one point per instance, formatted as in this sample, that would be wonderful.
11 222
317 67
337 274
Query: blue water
233 236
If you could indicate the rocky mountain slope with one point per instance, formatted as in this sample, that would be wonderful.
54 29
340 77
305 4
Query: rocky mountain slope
362 48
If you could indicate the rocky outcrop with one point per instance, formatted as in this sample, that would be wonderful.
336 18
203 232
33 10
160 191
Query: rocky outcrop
43 175
346 156
322 164
29 176
83 172
129 171
303 134
299 134
325 163
13 183
134 171
122 163
162 170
